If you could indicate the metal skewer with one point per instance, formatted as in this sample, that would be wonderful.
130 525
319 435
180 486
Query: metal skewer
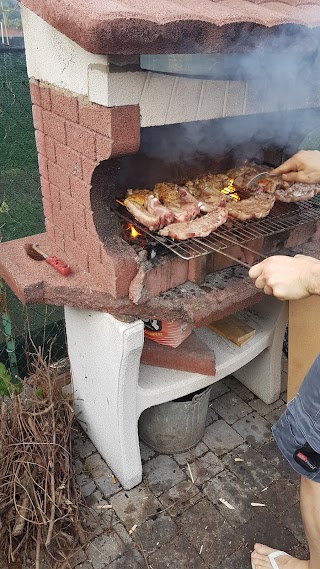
234 242
233 258
217 250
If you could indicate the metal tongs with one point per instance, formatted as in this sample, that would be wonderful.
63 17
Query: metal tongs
259 177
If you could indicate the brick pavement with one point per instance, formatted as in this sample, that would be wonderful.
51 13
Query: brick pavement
171 521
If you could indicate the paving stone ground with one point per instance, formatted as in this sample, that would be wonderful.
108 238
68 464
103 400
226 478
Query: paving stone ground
175 518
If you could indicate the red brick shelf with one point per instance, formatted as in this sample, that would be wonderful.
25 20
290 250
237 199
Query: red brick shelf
192 355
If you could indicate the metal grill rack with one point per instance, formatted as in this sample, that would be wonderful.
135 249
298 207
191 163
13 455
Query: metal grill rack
283 217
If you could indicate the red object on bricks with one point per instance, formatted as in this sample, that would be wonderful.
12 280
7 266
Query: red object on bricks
35 253
58 265
167 333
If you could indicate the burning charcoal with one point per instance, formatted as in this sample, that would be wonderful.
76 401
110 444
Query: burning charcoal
155 249
132 235
143 255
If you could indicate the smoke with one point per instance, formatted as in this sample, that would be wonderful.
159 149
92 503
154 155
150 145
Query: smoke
282 105
241 138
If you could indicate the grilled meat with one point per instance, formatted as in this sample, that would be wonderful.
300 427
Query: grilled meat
138 196
255 207
297 192
172 209
269 185
207 191
154 207
241 176
200 227
178 200
147 209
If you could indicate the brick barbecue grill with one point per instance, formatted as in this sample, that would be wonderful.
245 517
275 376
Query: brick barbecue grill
89 108
104 123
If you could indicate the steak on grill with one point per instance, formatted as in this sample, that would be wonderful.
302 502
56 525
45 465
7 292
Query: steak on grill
147 209
207 191
255 207
179 200
242 175
200 227
297 192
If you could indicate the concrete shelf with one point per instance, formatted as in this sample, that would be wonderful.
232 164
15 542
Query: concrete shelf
263 375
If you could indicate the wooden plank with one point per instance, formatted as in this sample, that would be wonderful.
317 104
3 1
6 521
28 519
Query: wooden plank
233 329
303 340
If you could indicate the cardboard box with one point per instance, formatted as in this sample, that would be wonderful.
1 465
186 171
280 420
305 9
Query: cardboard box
303 340
167 333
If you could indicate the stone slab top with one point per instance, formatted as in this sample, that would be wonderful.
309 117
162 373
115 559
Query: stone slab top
34 282
151 27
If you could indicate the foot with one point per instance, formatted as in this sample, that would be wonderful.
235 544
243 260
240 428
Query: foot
259 558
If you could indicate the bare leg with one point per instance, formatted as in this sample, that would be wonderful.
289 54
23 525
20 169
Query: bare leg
310 510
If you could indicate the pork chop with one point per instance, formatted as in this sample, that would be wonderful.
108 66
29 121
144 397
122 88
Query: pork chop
255 207
297 192
242 175
200 227
268 185
207 191
178 199
147 209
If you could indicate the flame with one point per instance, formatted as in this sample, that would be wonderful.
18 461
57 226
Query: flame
230 190
133 231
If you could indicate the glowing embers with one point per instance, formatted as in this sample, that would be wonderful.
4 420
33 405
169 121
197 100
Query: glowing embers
134 233
230 190
145 247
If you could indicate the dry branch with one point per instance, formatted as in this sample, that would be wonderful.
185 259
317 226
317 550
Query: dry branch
39 499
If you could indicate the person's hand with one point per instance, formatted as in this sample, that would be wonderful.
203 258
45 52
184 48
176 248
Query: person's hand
287 278
303 167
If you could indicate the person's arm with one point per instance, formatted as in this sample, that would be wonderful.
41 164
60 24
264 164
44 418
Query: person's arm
287 278
303 167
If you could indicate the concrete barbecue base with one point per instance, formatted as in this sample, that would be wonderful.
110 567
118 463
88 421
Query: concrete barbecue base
112 389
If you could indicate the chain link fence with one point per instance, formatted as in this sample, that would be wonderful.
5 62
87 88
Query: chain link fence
21 214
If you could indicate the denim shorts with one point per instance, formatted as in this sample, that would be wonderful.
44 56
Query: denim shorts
300 423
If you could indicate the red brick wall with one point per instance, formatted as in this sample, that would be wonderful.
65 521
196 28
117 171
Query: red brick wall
73 136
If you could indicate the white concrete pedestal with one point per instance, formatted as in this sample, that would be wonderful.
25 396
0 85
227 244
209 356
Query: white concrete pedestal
112 389
105 358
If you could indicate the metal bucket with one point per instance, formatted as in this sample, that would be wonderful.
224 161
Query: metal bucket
177 425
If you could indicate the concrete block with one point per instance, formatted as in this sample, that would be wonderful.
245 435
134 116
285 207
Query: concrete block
68 68
105 356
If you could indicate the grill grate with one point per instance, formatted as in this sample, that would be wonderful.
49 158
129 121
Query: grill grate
283 216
